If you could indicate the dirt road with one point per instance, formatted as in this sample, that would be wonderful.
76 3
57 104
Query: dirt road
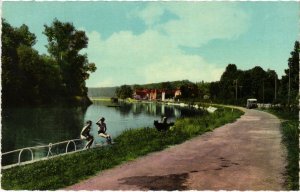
244 155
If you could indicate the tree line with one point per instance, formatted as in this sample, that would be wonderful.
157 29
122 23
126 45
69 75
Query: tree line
236 86
29 78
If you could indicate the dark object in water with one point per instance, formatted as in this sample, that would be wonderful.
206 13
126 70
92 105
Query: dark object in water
114 100
162 126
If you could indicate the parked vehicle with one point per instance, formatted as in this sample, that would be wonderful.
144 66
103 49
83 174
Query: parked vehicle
251 103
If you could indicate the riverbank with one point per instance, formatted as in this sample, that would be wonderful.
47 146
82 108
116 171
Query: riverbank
100 99
244 155
67 170
290 138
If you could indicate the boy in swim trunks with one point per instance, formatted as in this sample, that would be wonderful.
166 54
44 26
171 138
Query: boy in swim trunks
102 130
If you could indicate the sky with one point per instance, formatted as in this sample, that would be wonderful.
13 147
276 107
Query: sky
150 42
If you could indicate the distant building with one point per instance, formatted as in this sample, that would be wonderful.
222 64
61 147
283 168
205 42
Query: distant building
141 94
163 95
177 93
155 94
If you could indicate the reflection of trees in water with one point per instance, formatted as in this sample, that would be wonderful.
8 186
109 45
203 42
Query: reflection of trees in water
155 109
29 126
177 112
136 109
125 109
26 127
167 111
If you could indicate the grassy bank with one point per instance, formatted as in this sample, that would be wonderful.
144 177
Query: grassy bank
290 138
100 99
70 169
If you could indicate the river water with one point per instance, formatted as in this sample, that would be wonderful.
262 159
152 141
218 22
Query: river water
27 127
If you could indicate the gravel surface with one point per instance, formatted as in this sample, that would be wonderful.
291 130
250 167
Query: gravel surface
244 155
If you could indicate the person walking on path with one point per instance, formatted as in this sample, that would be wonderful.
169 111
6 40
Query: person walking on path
102 130
85 134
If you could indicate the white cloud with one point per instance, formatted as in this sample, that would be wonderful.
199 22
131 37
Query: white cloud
152 14
155 54
200 22
180 67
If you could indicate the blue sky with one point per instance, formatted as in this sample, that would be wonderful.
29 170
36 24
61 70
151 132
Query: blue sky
147 42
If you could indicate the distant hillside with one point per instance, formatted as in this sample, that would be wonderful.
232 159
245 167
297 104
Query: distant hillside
102 92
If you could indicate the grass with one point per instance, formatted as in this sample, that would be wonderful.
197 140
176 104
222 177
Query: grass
67 170
290 138
100 98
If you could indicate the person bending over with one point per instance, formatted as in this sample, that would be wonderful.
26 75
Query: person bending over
85 134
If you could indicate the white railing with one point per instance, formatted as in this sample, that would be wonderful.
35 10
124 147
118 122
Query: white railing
49 154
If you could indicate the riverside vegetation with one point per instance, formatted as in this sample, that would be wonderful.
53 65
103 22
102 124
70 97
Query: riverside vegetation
290 138
67 170
33 79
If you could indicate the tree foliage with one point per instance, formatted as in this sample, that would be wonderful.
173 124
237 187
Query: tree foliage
123 92
189 90
289 86
235 85
65 43
29 78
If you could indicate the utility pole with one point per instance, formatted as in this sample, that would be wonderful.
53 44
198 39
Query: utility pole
289 92
236 90
275 94
263 92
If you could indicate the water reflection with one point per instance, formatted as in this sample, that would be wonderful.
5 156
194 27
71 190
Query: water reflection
23 127
26 127
155 109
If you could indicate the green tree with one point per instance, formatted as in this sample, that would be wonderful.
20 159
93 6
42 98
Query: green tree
228 82
189 90
258 76
136 87
30 79
65 43
214 90
289 89
123 92
13 78
235 85
167 86
203 88
271 82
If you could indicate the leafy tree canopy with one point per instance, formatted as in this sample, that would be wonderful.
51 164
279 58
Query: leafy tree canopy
32 79
123 92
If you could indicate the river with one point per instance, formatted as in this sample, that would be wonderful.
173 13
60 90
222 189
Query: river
27 127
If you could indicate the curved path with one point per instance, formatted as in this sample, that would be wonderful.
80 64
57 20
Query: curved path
244 155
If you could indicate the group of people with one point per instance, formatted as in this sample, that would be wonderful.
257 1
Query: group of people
85 133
